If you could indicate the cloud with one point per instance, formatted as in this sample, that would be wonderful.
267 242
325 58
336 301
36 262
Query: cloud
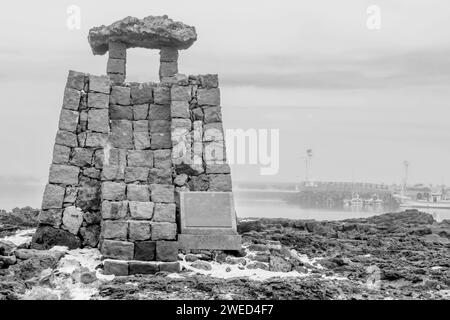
374 70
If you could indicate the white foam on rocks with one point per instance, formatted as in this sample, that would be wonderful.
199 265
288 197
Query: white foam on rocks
20 237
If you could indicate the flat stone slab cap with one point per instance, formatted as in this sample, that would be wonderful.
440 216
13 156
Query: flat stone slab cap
152 32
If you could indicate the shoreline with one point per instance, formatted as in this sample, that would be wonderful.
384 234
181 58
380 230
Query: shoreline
402 255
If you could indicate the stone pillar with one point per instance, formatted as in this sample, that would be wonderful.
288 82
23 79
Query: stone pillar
168 63
116 68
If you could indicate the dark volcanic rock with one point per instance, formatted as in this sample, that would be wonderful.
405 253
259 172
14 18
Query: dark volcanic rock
152 32
247 226
47 237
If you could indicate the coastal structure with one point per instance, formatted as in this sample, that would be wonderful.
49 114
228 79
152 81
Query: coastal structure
124 152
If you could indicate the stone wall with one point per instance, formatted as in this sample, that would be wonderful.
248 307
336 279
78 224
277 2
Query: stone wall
71 203
123 153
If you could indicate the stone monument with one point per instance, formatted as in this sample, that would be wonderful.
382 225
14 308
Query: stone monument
125 152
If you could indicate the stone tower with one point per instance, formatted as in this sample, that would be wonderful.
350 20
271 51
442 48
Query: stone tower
125 152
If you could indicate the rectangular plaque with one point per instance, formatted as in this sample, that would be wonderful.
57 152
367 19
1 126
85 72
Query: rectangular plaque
207 213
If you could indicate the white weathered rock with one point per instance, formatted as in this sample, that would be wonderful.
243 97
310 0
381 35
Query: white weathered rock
72 219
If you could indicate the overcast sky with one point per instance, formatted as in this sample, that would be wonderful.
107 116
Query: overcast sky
363 100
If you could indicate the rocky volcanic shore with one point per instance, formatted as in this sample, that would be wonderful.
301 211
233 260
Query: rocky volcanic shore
391 256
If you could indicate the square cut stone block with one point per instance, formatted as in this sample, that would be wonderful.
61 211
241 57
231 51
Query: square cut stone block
92 173
140 158
180 109
141 210
197 114
162 193
160 141
117 50
145 250
113 172
207 213
209 80
160 176
118 249
213 132
138 193
98 120
140 111
168 69
98 100
53 197
61 154
164 231
96 139
81 157
161 95
120 95
121 135
71 99
167 251
117 78
116 157
68 120
64 174
114 210
116 230
212 114
113 191
141 267
159 112
116 66
220 182
208 97
162 159
100 84
141 140
165 212
139 230
141 126
115 267
180 93
76 80
210 242
117 112
214 152
172 267
65 138
159 126
142 93
168 54
218 169
136 174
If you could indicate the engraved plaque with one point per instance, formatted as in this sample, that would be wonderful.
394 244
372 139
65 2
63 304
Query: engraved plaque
207 212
